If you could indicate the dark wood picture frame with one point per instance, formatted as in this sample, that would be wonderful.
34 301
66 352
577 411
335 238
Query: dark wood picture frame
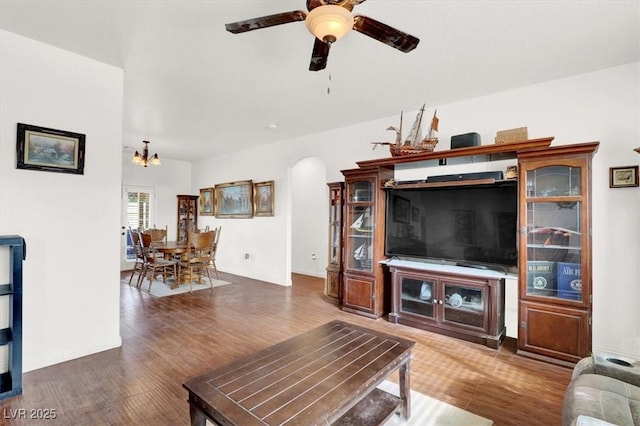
207 201
263 196
50 150
234 200
623 177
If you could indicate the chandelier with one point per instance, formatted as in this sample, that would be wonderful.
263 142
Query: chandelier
144 159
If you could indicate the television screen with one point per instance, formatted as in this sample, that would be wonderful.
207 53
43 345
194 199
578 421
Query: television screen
474 225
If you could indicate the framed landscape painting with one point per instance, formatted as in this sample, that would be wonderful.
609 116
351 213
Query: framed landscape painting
206 202
51 150
263 198
234 199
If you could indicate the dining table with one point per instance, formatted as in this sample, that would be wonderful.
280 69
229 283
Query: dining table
170 249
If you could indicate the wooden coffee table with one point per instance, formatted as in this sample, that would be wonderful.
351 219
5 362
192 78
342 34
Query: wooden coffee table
324 376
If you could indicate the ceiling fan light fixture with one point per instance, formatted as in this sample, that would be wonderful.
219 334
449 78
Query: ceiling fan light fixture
329 23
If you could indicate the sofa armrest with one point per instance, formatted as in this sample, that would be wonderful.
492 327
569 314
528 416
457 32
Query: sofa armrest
626 370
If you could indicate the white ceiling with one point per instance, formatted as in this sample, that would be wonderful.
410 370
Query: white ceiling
195 90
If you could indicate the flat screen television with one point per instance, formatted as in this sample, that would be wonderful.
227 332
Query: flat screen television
472 225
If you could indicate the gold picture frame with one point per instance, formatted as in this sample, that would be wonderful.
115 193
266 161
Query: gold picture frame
263 197
207 204
234 200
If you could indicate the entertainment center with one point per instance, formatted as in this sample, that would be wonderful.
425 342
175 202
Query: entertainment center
434 253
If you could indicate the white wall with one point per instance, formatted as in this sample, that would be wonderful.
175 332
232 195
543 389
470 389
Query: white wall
309 217
600 106
70 222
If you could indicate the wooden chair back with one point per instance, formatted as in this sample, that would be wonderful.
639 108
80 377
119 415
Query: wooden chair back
158 234
202 244
137 244
150 254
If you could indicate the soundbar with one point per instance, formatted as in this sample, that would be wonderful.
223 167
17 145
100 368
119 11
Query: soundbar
465 176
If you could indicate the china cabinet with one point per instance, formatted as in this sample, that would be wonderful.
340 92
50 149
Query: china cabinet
363 278
332 289
555 253
187 216
459 302
12 255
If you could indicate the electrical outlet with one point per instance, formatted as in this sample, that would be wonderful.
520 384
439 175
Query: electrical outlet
246 256
314 257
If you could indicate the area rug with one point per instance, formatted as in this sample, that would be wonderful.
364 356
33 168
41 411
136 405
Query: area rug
160 289
426 411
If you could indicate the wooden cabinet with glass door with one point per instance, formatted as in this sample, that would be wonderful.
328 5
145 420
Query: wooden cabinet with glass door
187 216
333 286
363 288
555 253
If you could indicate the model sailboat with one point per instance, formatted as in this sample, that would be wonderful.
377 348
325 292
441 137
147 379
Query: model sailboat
415 143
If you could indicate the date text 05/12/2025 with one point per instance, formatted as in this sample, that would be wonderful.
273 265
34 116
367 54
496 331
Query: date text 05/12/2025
29 413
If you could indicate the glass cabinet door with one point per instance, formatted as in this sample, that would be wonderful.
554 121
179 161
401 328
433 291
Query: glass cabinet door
359 226
554 232
464 305
418 296
335 224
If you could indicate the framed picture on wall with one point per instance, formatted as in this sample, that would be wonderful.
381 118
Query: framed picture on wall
234 199
263 198
50 150
622 177
206 201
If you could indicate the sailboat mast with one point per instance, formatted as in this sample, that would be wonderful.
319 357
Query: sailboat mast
418 128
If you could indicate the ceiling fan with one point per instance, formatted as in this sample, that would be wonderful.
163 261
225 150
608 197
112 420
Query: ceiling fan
328 21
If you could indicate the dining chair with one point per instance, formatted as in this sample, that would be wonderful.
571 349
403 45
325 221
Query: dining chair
158 235
139 264
215 250
154 263
200 257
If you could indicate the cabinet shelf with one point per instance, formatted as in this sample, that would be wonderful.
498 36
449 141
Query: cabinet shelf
508 148
11 334
553 246
6 289
6 336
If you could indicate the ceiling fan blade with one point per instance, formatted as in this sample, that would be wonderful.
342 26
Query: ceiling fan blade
312 4
384 33
347 4
265 21
319 55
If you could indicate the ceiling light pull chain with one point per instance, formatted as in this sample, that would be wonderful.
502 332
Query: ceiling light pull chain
329 84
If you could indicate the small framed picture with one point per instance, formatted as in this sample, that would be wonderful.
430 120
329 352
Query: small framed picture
622 177
206 201
50 150
263 198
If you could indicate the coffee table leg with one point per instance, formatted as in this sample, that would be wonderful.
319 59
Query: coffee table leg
405 389
198 418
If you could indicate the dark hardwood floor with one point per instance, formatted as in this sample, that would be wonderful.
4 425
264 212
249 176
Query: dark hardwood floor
169 340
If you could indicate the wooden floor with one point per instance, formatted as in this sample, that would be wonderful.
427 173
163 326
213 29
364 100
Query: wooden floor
169 340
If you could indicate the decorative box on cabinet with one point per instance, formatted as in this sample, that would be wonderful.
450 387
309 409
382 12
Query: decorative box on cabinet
333 286
555 253
363 277
455 301
12 253
187 215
